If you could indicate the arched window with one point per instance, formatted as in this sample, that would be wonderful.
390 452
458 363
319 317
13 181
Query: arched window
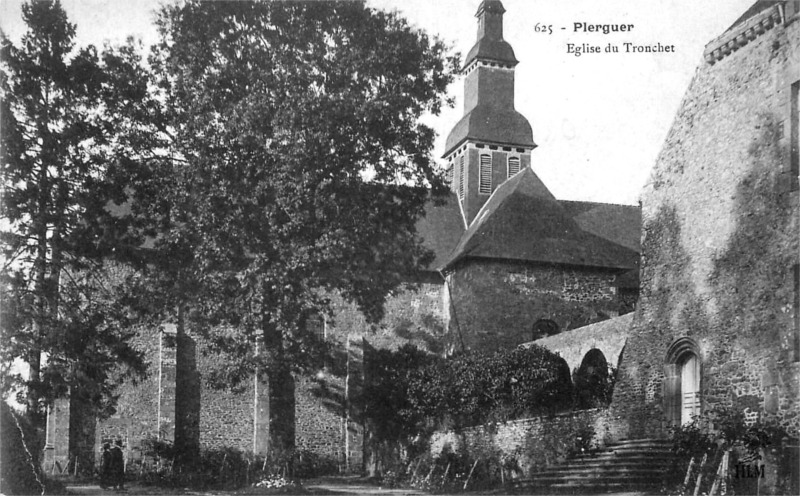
682 381
542 328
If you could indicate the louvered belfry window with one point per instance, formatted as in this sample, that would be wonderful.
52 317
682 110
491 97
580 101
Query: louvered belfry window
461 173
485 183
513 166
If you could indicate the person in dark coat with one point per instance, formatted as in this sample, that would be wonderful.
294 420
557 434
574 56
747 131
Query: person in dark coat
105 466
117 466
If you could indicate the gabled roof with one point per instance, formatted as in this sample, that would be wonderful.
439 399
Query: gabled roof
523 221
441 228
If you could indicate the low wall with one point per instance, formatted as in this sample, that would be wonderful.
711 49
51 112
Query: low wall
534 442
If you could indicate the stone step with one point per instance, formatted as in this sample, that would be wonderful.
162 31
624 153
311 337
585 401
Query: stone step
634 463
583 481
625 457
652 440
603 468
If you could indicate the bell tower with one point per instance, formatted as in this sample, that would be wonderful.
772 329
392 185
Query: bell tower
492 141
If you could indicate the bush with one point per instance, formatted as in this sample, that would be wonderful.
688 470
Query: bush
475 388
712 434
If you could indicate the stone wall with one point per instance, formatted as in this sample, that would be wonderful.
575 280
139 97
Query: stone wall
720 240
494 304
535 442
608 336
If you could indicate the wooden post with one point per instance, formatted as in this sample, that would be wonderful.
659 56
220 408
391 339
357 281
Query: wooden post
414 475
433 467
721 474
222 466
466 482
688 474
700 475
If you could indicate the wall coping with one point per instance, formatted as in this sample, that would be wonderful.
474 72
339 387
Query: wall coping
742 34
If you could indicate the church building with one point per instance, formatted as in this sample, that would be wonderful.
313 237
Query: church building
512 263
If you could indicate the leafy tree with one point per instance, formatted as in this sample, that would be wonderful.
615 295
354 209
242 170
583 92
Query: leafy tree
59 127
294 165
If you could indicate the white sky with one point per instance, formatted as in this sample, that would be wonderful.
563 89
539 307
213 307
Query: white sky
599 119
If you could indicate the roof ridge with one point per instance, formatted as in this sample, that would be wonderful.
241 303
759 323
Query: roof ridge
601 203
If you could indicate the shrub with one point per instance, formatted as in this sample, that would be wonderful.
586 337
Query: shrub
712 434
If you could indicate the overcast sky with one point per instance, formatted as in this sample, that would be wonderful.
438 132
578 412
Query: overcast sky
599 119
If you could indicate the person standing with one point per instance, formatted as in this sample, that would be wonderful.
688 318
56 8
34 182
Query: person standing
117 466
105 466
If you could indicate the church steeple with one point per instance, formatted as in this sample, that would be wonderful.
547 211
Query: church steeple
492 141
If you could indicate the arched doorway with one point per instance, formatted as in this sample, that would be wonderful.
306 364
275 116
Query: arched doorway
690 387
682 381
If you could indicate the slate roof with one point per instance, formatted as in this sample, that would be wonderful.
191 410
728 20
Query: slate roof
492 50
491 124
621 224
523 221
441 228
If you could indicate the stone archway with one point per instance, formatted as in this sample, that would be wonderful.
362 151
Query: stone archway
593 384
682 381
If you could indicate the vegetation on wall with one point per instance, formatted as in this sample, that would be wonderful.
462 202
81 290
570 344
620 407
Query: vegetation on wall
409 393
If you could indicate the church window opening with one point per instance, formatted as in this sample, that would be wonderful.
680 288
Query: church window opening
542 328
461 173
485 178
513 166
315 325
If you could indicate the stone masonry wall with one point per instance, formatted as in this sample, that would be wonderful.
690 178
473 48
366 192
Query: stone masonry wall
535 443
720 239
494 304
136 417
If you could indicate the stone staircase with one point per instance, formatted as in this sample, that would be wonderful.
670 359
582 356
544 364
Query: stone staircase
637 464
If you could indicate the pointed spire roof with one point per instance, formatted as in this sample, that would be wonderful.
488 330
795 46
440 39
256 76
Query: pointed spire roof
523 221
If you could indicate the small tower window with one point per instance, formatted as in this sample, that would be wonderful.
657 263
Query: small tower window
513 166
461 173
485 183
448 175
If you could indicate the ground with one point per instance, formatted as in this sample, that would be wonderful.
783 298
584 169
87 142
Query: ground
325 486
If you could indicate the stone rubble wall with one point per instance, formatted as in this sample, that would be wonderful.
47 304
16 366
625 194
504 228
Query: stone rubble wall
494 304
535 443
720 240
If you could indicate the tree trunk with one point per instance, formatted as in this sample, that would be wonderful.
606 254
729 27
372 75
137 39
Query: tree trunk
281 393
